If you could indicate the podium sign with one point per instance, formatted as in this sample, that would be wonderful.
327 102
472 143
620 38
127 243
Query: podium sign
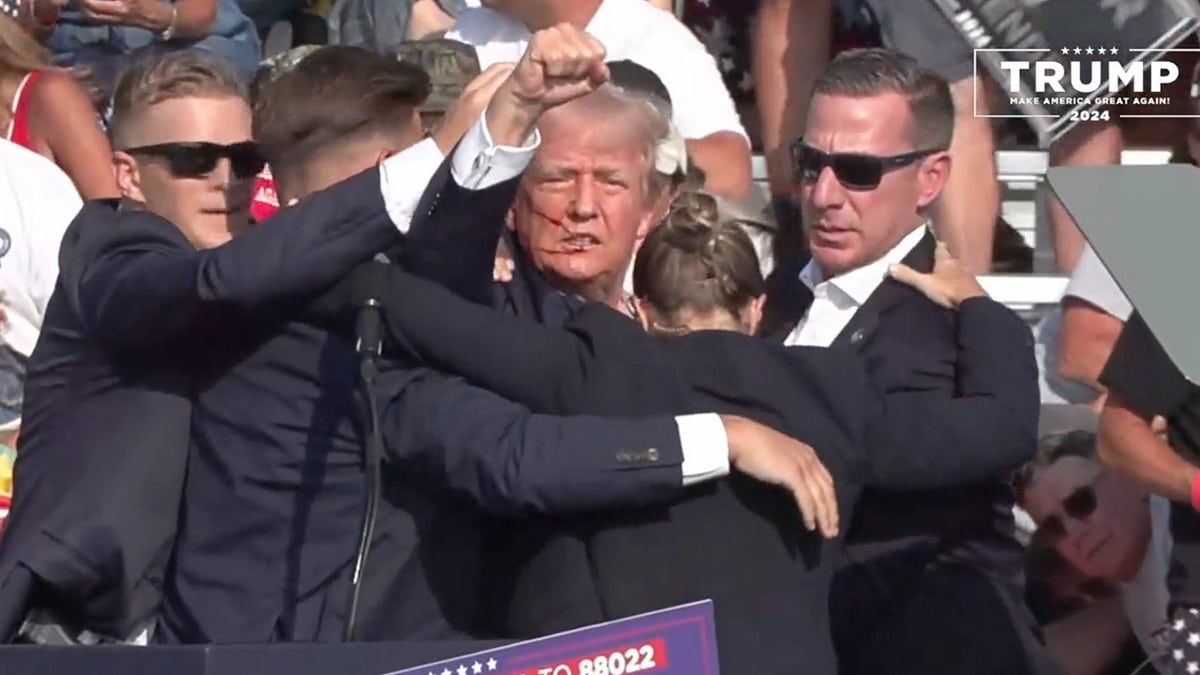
1058 60
677 641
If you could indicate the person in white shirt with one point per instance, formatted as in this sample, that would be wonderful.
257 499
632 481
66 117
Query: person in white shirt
37 202
634 30
1093 312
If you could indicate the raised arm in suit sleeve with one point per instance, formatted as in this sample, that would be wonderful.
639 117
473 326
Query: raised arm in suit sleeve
462 215
935 439
140 283
507 460
533 364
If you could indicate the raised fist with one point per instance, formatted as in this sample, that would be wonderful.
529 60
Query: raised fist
560 64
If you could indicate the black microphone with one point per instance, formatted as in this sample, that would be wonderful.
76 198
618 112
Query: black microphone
370 284
368 287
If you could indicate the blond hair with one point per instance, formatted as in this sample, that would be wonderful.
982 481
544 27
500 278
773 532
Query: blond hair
167 76
696 262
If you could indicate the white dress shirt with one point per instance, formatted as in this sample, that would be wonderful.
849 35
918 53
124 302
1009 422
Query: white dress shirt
836 300
631 30
477 164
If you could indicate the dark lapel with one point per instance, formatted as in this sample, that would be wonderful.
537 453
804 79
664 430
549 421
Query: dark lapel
890 292
787 301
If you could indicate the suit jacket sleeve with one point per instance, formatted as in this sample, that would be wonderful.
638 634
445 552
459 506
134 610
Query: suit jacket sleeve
507 460
140 283
988 427
537 365
455 243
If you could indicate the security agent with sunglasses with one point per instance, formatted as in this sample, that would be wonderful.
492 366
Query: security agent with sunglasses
158 295
933 578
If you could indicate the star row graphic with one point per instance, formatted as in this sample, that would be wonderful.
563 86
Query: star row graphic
474 669
1089 50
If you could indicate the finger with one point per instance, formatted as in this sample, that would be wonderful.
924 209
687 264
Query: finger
821 485
941 253
598 74
907 275
808 508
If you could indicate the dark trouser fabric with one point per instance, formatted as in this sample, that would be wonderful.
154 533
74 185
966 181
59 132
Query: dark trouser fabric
906 614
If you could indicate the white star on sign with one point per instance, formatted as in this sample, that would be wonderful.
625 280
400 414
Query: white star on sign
1112 50
477 668
446 671
1078 50
1194 639
1193 667
491 664
1088 50
1177 654
1066 50
462 670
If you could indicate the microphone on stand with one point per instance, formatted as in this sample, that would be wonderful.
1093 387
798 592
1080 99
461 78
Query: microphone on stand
369 286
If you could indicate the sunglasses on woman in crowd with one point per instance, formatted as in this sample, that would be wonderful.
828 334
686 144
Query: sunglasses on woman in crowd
196 159
855 171
1078 506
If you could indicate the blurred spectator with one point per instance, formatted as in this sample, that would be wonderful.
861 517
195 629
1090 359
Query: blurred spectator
793 40
1093 312
265 201
451 66
37 202
1143 383
965 215
50 113
382 25
1102 528
636 31
105 35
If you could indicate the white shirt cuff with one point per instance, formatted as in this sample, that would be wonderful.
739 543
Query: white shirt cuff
478 163
403 178
705 447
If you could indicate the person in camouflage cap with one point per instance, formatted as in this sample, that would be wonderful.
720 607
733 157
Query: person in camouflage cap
451 65
265 203
271 68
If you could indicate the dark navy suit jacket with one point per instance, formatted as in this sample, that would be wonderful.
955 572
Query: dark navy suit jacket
640 560
275 489
912 345
107 412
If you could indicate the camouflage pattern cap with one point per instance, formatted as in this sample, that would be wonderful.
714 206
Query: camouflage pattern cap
449 63
284 62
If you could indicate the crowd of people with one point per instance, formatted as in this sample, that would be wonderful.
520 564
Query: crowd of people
604 379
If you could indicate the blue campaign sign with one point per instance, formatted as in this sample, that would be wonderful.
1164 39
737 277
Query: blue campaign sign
677 641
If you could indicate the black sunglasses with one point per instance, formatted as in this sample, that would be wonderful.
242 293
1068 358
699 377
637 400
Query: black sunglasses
1079 505
198 158
855 171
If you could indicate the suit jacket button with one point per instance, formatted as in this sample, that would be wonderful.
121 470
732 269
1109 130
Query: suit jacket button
856 337
652 454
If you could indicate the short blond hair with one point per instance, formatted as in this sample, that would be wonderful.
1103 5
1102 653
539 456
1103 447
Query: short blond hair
167 76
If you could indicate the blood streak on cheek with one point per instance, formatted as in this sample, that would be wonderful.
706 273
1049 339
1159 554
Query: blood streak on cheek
563 248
